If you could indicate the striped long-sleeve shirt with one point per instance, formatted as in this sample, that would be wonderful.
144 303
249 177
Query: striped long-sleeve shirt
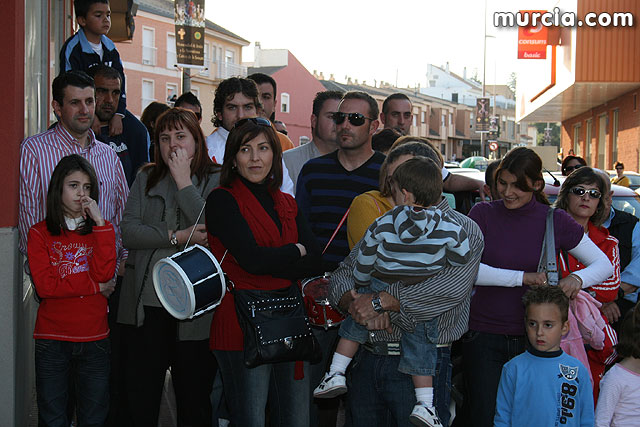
446 295
39 156
411 242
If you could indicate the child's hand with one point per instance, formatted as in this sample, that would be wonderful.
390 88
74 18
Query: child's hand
90 209
115 125
107 288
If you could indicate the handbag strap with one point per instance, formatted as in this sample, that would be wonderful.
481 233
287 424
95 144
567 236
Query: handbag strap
548 262
344 217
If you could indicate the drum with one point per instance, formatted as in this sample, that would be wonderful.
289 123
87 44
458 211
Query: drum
189 283
315 292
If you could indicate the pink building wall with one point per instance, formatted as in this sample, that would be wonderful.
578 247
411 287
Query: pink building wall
302 87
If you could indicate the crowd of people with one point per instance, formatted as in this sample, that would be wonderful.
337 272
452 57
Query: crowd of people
539 302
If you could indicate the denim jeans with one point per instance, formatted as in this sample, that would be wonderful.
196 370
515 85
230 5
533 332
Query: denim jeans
484 355
380 395
84 363
247 391
418 347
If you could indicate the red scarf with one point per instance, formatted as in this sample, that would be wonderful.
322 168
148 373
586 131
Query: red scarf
225 329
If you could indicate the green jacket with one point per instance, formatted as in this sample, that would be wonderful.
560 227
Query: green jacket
145 233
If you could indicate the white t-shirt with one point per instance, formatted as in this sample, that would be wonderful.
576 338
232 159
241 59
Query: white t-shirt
97 48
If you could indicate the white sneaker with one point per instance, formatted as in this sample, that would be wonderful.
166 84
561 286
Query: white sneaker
423 415
332 385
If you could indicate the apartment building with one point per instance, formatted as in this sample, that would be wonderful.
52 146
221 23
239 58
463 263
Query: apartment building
150 60
590 82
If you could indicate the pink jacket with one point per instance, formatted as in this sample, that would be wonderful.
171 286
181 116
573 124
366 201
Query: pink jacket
586 326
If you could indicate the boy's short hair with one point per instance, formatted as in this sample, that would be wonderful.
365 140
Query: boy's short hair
629 337
74 78
82 6
187 98
421 177
547 295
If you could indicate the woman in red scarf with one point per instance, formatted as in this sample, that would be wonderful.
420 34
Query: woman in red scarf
268 245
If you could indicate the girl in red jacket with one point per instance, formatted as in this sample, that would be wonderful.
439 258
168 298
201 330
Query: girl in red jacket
72 256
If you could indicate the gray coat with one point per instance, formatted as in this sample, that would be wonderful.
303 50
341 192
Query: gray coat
145 233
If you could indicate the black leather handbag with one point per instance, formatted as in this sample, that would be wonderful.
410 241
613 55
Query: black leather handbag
275 326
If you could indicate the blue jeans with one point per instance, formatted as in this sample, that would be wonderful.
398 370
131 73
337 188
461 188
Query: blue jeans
380 395
484 354
419 353
418 347
247 391
84 363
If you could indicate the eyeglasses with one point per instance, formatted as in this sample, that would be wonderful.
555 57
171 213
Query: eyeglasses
260 121
619 168
571 168
355 119
593 193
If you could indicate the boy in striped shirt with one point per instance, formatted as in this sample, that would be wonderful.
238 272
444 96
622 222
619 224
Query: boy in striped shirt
413 241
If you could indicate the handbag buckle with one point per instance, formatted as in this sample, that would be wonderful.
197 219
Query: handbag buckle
288 342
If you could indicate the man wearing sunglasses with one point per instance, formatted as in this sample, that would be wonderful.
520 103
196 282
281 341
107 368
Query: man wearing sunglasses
132 145
236 99
190 102
621 179
326 187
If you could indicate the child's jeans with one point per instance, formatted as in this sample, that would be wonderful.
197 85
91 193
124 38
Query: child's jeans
418 348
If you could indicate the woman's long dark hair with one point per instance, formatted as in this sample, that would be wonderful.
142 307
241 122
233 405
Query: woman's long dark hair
55 212
242 134
180 118
585 175
524 163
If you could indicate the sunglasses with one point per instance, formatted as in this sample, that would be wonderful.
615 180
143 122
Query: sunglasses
572 168
260 121
355 119
593 193
619 168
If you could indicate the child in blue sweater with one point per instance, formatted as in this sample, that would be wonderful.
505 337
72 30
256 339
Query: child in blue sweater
544 386
90 46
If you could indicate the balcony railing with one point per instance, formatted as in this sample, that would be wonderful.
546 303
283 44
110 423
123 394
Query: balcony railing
148 55
224 70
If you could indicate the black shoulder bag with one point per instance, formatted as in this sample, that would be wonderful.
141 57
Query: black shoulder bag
275 326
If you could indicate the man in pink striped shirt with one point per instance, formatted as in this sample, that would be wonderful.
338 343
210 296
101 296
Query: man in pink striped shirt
74 105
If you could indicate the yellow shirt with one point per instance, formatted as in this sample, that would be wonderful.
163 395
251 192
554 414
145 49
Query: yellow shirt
363 211
623 180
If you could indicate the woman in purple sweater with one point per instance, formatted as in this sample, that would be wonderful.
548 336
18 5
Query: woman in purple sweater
513 229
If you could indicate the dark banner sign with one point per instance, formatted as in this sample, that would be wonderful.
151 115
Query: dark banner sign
482 114
189 19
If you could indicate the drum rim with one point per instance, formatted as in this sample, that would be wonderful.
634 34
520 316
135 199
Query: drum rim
190 314
305 282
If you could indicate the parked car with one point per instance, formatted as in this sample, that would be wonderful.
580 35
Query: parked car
634 178
476 162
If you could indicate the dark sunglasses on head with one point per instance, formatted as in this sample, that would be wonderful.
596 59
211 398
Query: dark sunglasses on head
571 168
355 119
260 121
593 193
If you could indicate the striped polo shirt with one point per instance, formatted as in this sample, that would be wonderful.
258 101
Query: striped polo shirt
324 192
39 155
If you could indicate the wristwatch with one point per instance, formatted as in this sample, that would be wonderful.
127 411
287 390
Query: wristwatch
376 303
174 239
